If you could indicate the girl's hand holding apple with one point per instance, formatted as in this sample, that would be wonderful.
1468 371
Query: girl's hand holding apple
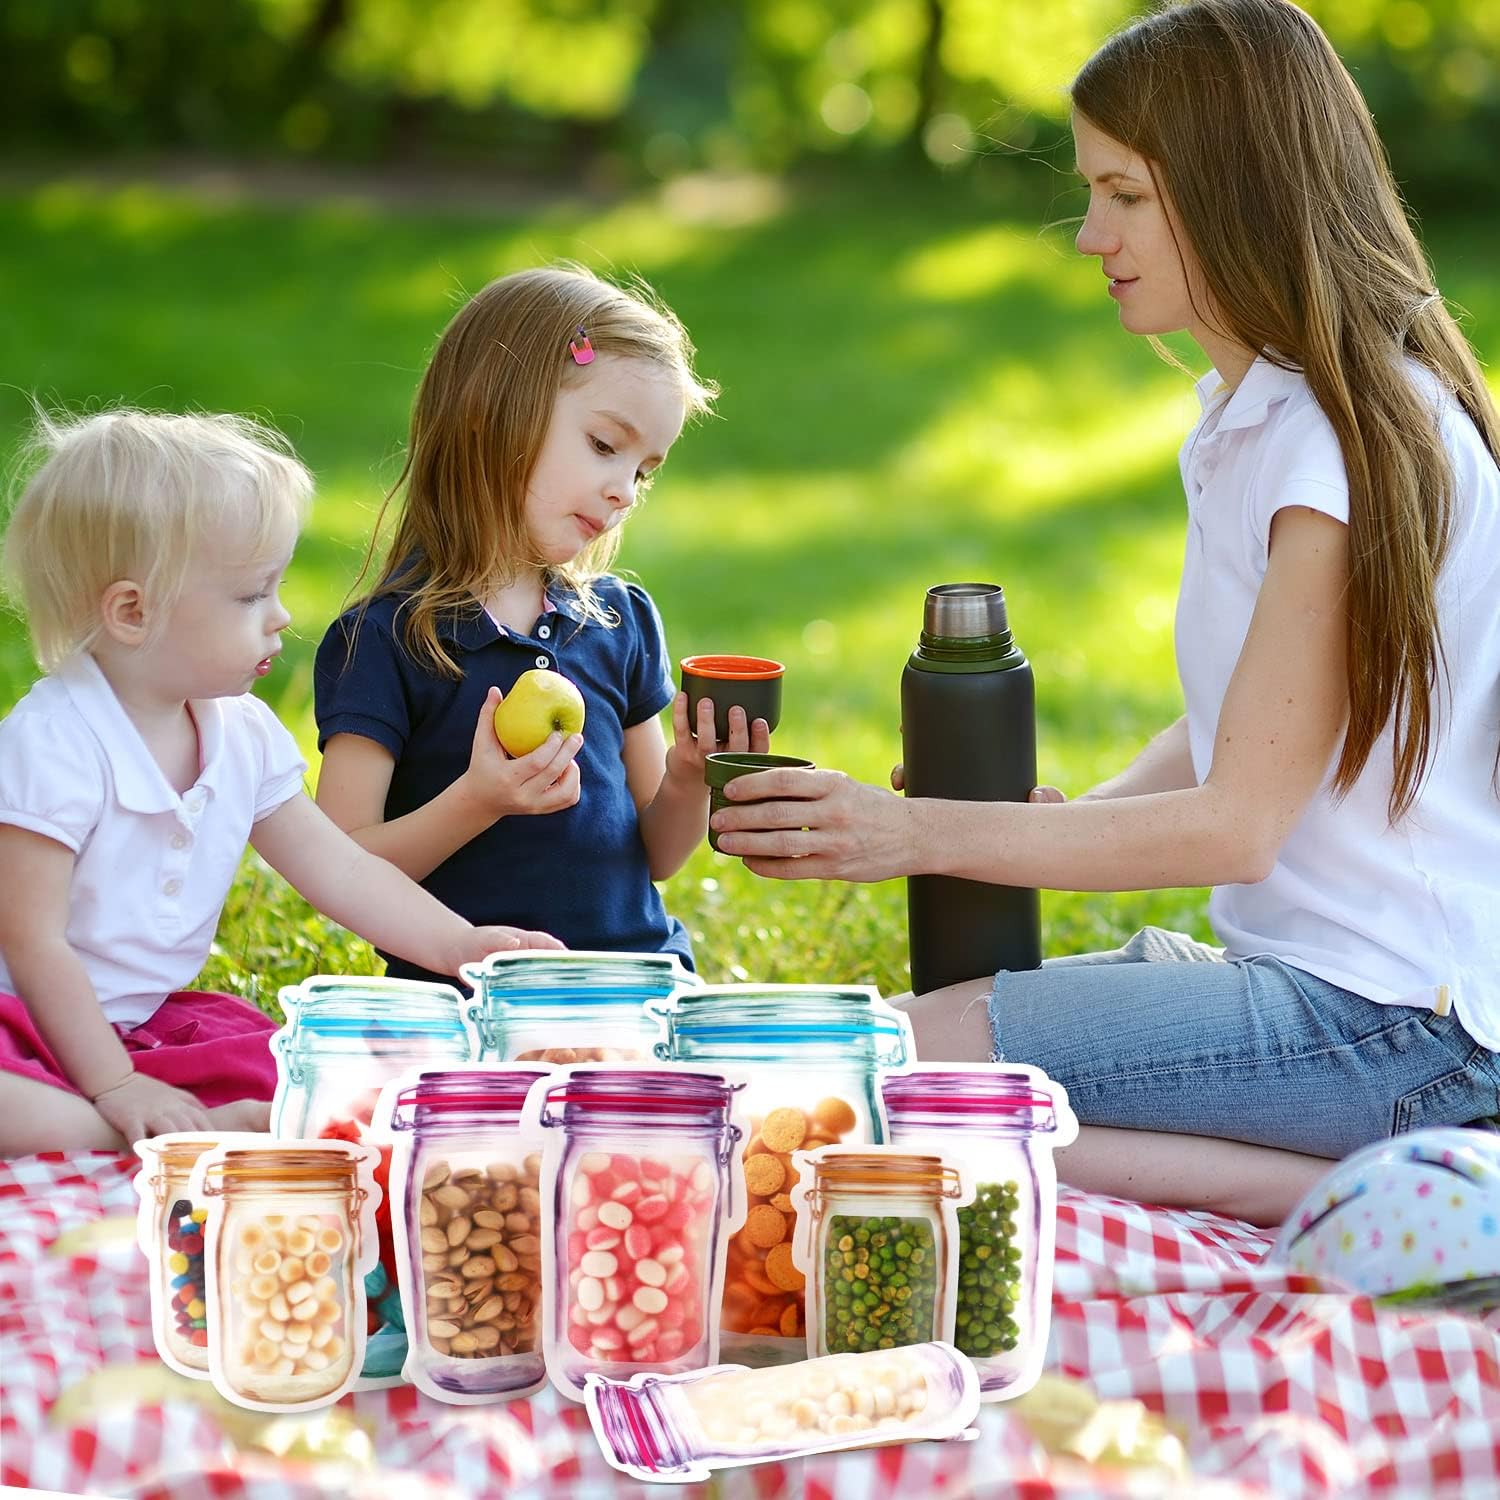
685 756
545 781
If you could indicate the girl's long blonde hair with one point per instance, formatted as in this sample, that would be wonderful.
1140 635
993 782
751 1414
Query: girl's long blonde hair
477 427
1266 148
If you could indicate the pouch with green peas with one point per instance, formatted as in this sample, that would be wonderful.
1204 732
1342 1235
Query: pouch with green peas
877 1238
1001 1124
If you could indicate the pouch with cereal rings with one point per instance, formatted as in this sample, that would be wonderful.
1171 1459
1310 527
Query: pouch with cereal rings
289 1239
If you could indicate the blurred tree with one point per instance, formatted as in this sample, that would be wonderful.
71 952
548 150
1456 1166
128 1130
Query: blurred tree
664 84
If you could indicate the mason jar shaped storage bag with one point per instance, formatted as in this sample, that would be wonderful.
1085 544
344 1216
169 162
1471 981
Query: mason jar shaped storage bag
343 1041
550 1007
637 1197
466 1208
676 1429
878 1241
811 1056
170 1232
290 1239
1001 1123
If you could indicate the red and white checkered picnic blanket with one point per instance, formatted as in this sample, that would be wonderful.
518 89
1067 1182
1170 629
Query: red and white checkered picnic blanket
1277 1389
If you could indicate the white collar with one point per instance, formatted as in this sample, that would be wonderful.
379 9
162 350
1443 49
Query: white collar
1250 403
140 785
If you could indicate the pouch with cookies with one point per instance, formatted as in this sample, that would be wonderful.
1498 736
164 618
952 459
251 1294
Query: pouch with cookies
811 1057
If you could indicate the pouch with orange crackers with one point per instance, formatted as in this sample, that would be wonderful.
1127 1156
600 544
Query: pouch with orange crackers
811 1057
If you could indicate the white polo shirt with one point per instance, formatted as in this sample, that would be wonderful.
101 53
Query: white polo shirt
1387 913
153 867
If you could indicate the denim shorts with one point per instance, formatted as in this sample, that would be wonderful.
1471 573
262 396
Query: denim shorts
1166 1034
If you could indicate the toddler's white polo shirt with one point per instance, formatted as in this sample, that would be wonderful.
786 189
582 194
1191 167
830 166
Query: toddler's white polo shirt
1387 913
152 867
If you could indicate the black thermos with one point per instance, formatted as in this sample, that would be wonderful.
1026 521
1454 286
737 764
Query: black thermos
968 733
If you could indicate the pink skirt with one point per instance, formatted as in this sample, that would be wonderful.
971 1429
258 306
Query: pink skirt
216 1047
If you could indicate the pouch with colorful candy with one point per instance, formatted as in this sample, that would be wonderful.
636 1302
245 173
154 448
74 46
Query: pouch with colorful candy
169 1230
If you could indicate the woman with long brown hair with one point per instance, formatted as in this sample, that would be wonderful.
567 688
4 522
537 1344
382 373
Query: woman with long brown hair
1334 776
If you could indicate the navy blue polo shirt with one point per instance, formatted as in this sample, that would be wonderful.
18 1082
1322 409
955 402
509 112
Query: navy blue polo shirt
580 874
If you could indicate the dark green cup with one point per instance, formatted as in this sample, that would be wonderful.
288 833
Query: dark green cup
719 770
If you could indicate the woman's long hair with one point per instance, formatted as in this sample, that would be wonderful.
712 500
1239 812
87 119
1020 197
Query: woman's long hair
477 427
1265 147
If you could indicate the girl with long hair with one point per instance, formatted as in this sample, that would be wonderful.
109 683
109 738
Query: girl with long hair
549 404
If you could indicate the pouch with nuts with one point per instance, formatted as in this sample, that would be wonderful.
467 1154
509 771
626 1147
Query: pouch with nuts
467 1221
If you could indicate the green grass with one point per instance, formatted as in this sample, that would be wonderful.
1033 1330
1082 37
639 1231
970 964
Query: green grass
910 397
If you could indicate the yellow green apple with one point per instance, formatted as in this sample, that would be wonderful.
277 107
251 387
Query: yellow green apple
540 702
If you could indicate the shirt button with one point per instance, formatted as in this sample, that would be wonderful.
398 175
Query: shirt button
171 888
542 661
545 631
180 840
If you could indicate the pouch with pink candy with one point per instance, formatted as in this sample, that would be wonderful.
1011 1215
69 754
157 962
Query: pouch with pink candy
638 1198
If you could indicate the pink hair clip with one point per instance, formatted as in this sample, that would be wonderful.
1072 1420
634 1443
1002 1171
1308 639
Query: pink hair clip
582 354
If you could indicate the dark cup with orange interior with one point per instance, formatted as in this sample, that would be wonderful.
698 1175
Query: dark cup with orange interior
751 682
